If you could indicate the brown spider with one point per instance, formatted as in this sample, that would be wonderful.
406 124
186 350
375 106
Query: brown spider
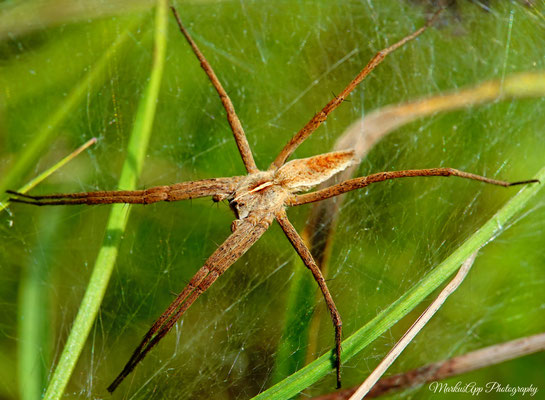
257 199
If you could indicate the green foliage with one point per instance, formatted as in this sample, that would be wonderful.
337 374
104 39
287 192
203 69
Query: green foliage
280 62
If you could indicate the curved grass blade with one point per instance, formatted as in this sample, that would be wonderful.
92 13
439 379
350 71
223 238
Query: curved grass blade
308 375
361 136
118 217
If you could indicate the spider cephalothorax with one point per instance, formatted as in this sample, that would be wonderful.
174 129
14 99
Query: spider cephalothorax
264 193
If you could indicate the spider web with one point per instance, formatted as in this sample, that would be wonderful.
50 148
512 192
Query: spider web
280 63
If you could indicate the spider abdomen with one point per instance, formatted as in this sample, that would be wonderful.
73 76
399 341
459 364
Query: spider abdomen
305 173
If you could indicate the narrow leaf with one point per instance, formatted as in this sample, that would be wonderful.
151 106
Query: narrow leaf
118 217
308 375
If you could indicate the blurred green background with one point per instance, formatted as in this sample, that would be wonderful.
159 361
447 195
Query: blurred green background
280 62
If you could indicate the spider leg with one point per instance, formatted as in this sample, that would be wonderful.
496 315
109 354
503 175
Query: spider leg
176 192
358 183
234 121
246 234
320 117
308 260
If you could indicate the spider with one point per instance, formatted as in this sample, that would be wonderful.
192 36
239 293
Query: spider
257 199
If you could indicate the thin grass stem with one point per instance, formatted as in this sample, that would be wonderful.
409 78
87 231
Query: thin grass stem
119 215
354 344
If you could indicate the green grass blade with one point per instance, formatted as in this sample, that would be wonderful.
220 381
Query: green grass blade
40 140
305 377
118 217
292 349
39 14
291 353
4 202
34 330
30 332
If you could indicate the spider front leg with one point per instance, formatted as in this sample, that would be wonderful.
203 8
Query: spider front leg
321 116
232 117
218 187
308 260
